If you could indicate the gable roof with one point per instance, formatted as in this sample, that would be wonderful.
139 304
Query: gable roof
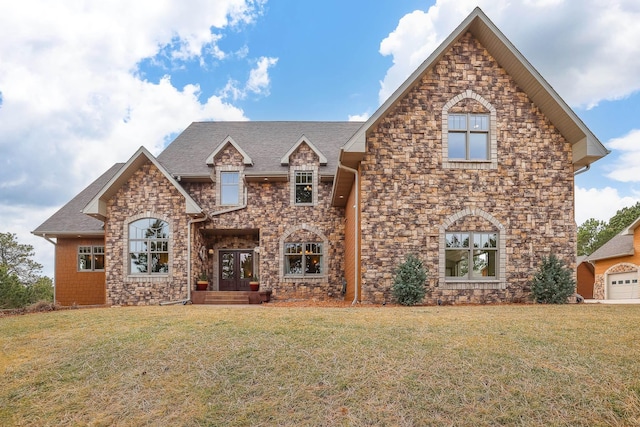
264 142
618 246
228 140
585 146
69 219
305 140
97 206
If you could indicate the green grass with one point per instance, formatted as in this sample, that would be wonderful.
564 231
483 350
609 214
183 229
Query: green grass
204 365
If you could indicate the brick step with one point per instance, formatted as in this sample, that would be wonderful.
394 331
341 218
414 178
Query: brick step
224 297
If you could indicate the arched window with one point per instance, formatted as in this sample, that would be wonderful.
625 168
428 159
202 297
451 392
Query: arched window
472 251
469 133
149 246
304 253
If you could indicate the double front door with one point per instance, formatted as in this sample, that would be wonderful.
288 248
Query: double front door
236 270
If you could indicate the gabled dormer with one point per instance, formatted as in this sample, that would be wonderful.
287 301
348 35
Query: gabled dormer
304 160
228 161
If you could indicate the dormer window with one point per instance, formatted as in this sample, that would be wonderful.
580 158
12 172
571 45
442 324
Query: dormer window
229 188
304 187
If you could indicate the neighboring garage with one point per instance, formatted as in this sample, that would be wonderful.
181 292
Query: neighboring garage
617 266
622 286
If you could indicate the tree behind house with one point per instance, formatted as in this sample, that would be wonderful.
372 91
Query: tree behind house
20 280
592 234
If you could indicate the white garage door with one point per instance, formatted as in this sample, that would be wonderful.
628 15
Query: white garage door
623 286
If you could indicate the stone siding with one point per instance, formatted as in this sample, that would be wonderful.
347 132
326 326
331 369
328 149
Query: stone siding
146 194
407 194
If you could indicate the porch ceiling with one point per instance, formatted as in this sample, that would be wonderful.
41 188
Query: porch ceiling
231 232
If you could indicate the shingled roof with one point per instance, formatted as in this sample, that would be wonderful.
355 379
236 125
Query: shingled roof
620 245
264 142
69 219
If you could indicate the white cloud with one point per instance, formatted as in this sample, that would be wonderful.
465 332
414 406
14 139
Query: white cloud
257 83
259 77
626 167
600 203
359 117
581 48
73 98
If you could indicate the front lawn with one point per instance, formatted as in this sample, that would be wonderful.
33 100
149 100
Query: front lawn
264 365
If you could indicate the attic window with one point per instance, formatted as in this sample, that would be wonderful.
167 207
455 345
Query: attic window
469 133
468 137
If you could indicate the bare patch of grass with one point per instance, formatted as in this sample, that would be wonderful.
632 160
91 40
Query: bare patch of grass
206 365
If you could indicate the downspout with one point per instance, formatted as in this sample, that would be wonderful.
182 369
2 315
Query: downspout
582 170
55 256
192 221
356 228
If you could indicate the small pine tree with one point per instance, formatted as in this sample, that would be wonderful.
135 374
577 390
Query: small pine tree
553 283
409 283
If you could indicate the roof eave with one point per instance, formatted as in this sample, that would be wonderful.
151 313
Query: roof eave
97 207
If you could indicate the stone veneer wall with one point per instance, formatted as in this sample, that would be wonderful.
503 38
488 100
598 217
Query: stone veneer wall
271 211
407 194
146 194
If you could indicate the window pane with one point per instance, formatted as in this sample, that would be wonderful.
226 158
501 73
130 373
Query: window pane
313 264
457 263
293 264
84 262
293 248
304 177
457 121
478 146
229 178
457 145
246 265
160 263
484 264
229 188
98 261
138 263
478 122
304 193
457 240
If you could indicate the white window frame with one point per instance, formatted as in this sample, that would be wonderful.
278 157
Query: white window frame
92 252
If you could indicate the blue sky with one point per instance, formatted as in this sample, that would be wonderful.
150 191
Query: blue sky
84 85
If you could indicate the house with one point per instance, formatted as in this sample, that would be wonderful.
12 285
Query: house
470 165
617 265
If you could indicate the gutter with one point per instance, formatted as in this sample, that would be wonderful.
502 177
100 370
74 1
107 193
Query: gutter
191 221
582 170
356 229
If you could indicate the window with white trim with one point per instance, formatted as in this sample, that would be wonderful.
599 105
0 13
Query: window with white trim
303 191
303 259
90 258
468 136
149 246
471 255
230 188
